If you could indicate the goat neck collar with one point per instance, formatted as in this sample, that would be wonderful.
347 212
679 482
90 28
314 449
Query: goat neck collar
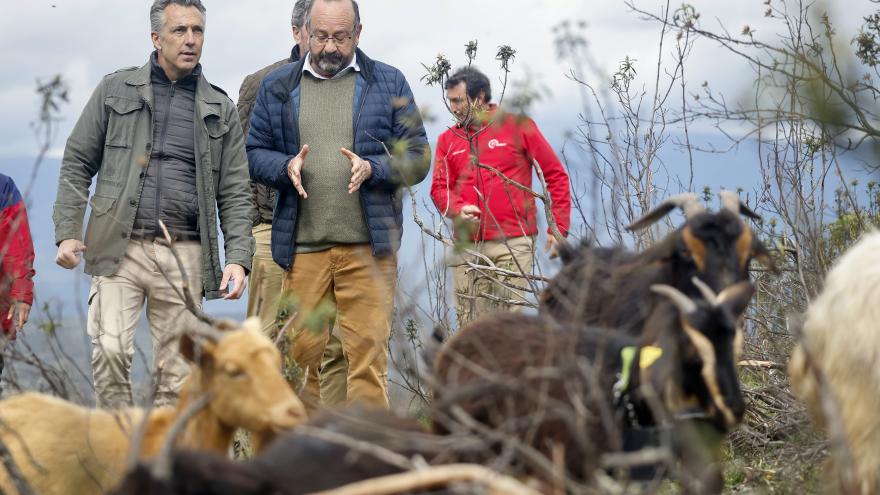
632 360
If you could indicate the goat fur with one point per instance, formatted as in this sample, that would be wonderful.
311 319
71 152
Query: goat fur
296 463
842 337
526 378
610 286
64 448
551 385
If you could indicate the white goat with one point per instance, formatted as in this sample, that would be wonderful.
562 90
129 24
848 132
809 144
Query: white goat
842 336
63 448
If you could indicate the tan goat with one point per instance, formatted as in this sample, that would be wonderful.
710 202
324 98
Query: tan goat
842 337
63 448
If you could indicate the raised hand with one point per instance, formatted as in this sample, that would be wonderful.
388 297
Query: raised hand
294 169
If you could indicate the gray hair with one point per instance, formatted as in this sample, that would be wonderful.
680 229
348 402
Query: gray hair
157 11
354 5
300 9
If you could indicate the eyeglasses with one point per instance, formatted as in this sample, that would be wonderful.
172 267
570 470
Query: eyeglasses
322 39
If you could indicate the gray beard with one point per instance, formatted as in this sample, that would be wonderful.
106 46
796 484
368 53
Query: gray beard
331 64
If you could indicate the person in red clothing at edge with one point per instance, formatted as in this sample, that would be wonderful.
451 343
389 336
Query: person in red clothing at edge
498 217
16 263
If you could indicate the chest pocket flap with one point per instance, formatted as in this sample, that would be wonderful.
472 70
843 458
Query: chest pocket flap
216 126
121 121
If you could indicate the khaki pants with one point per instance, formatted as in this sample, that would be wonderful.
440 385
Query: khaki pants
348 286
264 294
115 305
472 286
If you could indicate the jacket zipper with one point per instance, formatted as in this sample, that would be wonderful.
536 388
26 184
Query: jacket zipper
357 122
157 211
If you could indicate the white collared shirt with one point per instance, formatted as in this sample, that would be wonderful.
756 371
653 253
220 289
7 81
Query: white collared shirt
353 65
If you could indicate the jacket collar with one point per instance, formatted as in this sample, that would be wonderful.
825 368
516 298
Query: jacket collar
209 98
284 85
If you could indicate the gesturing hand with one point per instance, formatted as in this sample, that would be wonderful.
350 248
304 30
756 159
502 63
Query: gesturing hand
360 170
294 167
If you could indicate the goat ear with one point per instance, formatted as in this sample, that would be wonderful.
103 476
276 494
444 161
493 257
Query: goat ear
760 253
569 252
196 350
652 216
251 324
689 202
736 297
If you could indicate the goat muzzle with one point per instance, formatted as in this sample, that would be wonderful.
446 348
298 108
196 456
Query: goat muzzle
287 415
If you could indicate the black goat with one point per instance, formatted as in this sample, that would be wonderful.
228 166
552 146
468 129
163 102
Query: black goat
609 287
579 389
335 449
296 463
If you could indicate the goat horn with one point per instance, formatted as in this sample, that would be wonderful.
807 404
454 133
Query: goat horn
731 202
688 202
707 292
681 301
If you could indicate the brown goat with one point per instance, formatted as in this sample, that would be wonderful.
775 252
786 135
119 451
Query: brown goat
559 388
610 287
63 448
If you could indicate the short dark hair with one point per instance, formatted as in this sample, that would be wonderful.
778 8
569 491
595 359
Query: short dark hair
157 11
475 81
354 5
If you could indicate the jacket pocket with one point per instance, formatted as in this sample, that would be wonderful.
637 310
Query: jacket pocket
217 129
101 205
121 122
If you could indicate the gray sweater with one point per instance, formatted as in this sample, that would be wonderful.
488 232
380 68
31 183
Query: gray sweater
330 215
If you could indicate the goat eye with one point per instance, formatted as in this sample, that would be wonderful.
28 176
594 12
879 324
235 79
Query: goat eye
234 372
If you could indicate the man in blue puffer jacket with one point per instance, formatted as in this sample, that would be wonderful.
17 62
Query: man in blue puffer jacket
337 134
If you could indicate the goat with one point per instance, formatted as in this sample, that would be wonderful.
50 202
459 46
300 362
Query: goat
572 387
334 449
64 448
610 287
841 340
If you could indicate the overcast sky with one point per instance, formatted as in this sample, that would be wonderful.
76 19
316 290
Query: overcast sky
85 39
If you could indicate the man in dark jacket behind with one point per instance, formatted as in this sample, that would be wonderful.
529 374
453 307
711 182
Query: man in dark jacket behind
266 276
336 135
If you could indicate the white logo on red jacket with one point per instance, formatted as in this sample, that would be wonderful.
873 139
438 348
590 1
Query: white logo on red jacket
495 143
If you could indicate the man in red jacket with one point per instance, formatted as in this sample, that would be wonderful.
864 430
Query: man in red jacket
16 261
483 163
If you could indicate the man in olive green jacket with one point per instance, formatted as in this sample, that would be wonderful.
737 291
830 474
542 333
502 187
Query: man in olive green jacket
166 146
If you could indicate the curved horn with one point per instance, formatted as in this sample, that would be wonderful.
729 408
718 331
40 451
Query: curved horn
707 292
688 202
681 301
731 202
